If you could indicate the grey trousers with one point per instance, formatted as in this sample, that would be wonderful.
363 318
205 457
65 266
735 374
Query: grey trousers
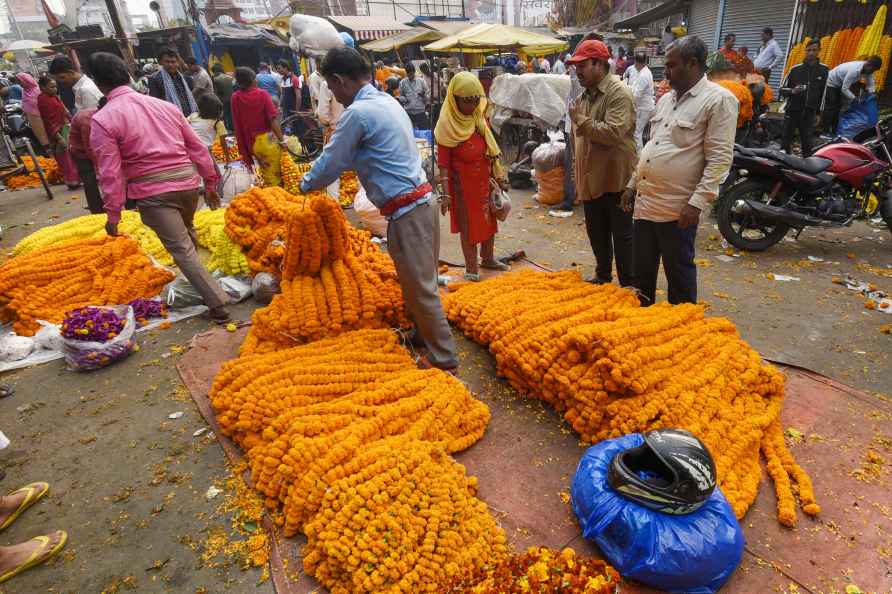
170 216
413 241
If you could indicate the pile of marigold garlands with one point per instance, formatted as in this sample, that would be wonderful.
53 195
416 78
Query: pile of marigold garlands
351 441
348 187
48 282
32 180
615 368
333 279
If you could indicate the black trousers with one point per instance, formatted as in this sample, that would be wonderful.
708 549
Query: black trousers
91 186
804 122
656 241
609 230
832 105
420 121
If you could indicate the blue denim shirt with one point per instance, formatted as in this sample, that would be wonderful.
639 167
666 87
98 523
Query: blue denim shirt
374 138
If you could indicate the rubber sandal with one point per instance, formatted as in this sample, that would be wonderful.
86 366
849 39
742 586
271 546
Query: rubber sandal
425 363
40 556
495 265
35 492
474 278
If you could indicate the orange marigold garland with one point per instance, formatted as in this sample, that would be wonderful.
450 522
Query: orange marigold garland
32 180
48 282
351 441
348 188
540 570
614 368
744 99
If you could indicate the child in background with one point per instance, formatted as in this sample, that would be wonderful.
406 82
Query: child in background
208 120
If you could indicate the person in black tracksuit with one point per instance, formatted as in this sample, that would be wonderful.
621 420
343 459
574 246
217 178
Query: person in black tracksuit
804 90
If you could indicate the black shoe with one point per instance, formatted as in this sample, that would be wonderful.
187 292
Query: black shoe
600 281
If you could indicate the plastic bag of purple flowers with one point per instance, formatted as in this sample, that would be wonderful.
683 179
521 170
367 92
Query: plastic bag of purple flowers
95 337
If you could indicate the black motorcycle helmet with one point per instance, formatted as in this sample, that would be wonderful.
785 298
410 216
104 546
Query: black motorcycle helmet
671 472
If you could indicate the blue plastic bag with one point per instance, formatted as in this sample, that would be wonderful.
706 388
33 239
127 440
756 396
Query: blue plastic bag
427 135
859 116
692 554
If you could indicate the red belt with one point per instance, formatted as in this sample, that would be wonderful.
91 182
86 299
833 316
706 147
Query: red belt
406 199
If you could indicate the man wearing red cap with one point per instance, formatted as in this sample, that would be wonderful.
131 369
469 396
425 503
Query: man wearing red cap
604 123
679 172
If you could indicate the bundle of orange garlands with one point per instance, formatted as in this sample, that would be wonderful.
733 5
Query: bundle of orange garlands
47 283
744 98
32 180
615 368
351 441
333 279
255 220
221 156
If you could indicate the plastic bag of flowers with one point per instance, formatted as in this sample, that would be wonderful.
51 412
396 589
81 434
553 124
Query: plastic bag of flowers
97 336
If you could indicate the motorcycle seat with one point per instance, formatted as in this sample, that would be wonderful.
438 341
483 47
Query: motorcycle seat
810 165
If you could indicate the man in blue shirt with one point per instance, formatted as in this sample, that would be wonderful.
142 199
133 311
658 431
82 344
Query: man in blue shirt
269 82
374 137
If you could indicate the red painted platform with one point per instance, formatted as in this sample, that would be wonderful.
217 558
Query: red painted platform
528 455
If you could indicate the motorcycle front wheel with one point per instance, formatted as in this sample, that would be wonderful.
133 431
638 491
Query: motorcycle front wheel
748 231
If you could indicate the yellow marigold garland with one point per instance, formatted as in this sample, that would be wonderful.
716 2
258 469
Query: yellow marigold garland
93 226
226 256
47 283
351 441
614 368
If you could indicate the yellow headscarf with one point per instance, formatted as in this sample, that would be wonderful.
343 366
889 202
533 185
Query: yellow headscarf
453 127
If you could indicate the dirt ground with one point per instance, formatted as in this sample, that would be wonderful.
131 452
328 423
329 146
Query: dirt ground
130 484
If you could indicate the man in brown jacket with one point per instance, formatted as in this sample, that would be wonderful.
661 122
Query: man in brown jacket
604 121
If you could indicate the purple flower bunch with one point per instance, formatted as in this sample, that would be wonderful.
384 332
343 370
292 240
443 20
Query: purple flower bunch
92 324
145 309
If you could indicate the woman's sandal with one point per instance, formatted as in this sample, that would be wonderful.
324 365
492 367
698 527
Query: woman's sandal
35 491
44 553
494 265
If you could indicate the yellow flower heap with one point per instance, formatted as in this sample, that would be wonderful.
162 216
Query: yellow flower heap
226 256
351 441
333 280
614 368
93 226
47 283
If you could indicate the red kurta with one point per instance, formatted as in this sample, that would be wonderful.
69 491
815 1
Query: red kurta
252 111
469 173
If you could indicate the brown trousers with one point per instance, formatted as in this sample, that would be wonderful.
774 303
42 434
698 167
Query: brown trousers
413 241
170 216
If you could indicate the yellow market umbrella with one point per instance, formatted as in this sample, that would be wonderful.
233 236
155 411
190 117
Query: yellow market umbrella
486 38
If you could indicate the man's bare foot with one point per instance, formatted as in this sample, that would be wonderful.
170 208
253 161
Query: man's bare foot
23 556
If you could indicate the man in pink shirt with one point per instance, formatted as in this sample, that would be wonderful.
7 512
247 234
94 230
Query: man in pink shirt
146 151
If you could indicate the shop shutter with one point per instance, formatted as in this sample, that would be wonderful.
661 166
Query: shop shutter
747 18
702 17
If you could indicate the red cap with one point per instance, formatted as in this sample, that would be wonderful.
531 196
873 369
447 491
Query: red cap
590 50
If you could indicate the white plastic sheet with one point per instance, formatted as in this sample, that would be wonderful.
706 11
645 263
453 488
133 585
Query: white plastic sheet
544 96
313 36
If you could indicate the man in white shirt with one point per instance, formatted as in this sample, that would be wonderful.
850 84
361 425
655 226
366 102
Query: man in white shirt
769 54
559 67
86 93
839 88
642 85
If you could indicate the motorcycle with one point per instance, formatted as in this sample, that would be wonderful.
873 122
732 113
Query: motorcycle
16 124
769 192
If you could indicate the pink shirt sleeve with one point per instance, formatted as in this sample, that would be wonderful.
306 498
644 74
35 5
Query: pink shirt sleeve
108 170
199 154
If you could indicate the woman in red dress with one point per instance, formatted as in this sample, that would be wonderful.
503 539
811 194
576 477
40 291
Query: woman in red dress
468 158
57 121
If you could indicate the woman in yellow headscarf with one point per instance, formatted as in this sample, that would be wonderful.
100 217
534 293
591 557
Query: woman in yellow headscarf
468 157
